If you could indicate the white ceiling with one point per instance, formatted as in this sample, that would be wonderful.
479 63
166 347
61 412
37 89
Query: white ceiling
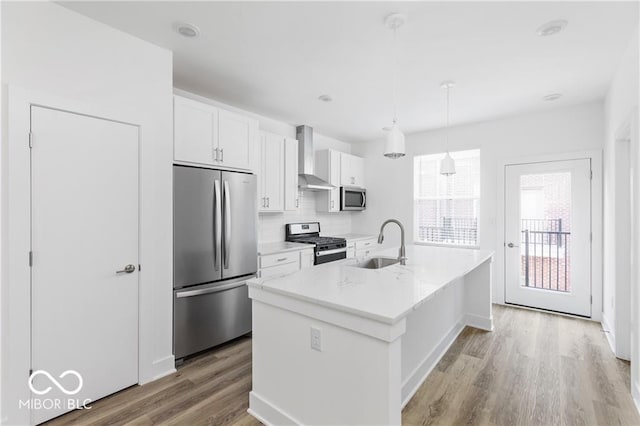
275 59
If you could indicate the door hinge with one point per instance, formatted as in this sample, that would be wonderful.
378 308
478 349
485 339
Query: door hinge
139 267
30 140
591 300
30 372
30 259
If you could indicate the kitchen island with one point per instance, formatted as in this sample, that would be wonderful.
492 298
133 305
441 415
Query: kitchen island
342 344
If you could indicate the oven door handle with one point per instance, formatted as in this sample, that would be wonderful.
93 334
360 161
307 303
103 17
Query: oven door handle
328 252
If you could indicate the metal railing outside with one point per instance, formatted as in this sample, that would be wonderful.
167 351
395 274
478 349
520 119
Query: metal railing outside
454 230
546 255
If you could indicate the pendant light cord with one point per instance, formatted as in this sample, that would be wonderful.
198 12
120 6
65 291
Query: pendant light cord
448 89
395 76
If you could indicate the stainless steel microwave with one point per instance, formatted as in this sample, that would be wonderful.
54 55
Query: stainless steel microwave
353 198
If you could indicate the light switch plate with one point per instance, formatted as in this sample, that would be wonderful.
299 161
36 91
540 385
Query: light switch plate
316 339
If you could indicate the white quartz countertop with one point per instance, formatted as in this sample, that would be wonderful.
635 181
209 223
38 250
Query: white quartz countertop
281 247
386 294
356 237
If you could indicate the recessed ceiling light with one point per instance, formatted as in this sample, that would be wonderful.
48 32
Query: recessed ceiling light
186 30
551 28
325 98
552 97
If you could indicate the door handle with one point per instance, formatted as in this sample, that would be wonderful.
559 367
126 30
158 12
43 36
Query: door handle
222 155
217 225
227 223
200 292
127 269
511 245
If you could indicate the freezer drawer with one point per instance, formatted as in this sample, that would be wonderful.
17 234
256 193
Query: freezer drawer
210 314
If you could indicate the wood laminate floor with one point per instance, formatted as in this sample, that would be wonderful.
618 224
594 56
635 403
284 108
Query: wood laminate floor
534 369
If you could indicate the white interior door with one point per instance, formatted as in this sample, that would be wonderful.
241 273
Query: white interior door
548 235
84 312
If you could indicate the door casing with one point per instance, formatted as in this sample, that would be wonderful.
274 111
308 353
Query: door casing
596 222
15 346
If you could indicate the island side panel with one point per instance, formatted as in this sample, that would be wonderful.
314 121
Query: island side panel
477 291
431 329
354 380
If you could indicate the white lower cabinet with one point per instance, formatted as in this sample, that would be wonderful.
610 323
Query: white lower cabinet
306 258
351 249
361 248
284 263
279 270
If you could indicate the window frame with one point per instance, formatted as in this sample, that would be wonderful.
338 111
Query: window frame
479 198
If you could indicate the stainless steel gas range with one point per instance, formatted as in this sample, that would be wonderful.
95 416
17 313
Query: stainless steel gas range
327 249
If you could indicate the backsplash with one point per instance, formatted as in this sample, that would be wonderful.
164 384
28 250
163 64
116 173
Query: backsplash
271 225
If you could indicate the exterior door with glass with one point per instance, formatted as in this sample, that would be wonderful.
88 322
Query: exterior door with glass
548 235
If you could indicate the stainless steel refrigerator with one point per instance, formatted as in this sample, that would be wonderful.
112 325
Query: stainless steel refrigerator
214 253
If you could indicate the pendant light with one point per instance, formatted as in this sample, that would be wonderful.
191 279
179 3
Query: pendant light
447 165
394 145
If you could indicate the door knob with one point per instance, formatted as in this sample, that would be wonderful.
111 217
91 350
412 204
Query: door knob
127 269
511 245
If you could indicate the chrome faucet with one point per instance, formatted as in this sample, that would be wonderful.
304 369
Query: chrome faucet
401 256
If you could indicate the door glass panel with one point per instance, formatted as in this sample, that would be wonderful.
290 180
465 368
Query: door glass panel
545 229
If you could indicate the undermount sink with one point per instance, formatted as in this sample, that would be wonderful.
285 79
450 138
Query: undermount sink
377 262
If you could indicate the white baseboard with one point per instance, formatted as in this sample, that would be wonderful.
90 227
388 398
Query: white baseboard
609 333
161 367
476 321
267 413
635 394
420 373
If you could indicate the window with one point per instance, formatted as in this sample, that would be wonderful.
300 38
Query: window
446 207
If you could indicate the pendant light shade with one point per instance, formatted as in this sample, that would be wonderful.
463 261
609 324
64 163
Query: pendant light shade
394 144
447 165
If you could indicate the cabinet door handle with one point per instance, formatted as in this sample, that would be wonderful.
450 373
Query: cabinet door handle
297 203
268 201
222 155
215 154
282 259
332 204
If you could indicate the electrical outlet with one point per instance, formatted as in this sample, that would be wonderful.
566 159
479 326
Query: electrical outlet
316 339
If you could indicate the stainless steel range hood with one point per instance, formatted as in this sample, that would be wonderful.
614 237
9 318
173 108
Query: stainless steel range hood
307 180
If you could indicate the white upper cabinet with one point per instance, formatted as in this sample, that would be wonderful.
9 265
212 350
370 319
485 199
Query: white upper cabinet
236 139
327 167
271 174
204 134
291 197
195 131
351 170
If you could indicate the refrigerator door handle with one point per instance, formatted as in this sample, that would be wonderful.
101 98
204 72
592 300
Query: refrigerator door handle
200 292
217 224
227 223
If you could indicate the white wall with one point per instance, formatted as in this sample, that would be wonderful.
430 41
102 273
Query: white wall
621 310
271 225
55 53
620 102
390 182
